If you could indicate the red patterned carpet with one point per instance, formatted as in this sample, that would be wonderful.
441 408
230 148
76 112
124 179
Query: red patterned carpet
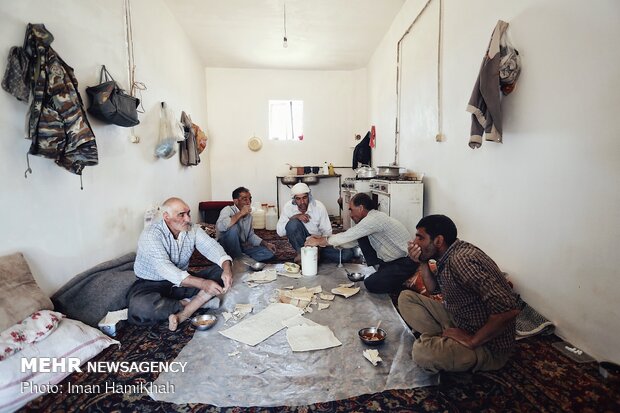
537 379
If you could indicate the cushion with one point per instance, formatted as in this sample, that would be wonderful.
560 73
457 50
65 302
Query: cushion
20 295
35 327
71 339
210 210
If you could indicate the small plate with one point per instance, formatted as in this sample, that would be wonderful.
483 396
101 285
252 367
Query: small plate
255 143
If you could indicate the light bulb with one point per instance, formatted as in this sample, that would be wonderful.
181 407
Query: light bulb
285 44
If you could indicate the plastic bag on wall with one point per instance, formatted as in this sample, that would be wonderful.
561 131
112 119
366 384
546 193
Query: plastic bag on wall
170 132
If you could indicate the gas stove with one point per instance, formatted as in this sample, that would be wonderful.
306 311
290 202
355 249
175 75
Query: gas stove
356 185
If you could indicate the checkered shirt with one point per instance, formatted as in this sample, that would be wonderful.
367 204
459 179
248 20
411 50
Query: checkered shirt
386 235
473 288
161 257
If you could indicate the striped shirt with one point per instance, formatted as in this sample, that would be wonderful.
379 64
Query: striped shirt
473 288
387 236
161 257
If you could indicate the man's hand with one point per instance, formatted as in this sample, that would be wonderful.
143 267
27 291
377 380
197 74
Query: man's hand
302 217
414 251
227 278
459 335
245 210
316 241
211 287
271 247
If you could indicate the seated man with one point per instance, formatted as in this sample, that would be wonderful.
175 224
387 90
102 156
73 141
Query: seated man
475 328
383 241
305 216
235 232
163 284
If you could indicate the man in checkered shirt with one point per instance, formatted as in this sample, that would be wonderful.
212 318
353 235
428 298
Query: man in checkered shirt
474 328
165 290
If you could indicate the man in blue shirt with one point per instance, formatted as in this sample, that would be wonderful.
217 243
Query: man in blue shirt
235 232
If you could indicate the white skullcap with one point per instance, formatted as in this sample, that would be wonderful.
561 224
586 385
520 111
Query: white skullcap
299 189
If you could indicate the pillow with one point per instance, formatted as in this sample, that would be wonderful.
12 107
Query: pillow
35 327
20 295
72 338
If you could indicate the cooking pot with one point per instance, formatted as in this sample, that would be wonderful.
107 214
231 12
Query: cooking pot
289 180
388 171
365 171
310 179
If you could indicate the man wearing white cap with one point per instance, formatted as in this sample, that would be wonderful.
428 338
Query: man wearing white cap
305 216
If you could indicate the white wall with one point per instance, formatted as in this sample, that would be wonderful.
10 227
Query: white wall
60 229
334 111
544 204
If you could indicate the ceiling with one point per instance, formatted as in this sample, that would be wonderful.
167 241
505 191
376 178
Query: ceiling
322 34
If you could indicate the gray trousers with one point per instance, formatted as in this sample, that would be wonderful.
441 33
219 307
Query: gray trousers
435 353
153 301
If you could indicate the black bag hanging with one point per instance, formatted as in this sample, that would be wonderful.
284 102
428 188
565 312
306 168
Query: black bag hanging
361 153
110 103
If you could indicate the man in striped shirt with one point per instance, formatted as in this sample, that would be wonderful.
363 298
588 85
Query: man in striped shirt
162 259
383 241
474 328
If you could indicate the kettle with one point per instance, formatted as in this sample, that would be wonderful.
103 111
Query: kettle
365 171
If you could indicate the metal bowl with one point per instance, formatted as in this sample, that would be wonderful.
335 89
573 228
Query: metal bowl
372 336
355 276
289 180
257 266
204 322
310 179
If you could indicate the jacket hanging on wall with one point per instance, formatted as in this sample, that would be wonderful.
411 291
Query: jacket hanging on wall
499 71
188 149
57 122
361 153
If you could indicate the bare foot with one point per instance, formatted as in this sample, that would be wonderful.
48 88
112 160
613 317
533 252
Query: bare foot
297 259
173 322
189 308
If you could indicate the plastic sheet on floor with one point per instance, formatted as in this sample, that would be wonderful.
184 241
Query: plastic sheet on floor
225 372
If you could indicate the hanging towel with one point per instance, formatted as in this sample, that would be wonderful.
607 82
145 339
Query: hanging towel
499 72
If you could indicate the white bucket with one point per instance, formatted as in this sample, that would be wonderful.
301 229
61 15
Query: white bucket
309 260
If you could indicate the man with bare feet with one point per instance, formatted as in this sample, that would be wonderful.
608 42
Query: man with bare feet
165 290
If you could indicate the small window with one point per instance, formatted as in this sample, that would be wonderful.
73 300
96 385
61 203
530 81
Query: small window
286 120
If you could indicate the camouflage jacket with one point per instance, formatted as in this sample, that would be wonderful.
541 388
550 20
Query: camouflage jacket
57 123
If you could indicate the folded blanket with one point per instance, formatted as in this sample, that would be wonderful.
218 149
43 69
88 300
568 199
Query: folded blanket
90 295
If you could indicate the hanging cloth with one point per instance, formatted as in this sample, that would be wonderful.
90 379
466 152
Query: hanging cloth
188 148
361 153
499 71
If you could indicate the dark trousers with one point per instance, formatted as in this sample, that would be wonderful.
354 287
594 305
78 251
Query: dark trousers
297 233
391 275
153 301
